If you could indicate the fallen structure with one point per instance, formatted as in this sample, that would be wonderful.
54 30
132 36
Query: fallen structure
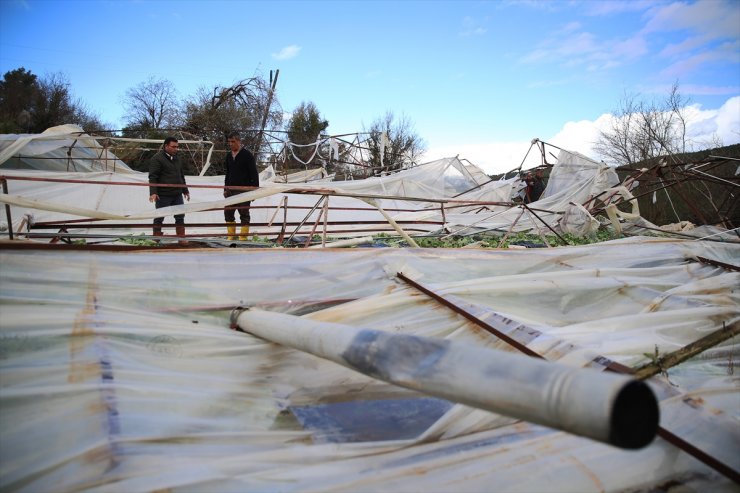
120 373
366 369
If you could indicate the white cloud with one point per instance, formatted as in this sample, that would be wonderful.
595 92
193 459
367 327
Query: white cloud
571 27
580 136
572 47
728 121
687 65
709 30
703 90
685 46
630 48
472 27
550 83
287 53
707 126
491 157
610 7
714 19
704 129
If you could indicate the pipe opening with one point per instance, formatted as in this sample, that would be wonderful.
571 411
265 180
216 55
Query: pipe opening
635 416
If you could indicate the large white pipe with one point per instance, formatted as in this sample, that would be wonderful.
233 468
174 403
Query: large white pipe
603 406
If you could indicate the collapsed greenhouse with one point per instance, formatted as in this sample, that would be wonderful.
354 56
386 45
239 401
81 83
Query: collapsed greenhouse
231 366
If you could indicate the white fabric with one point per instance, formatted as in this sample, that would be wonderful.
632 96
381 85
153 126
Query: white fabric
577 221
119 373
48 151
441 195
44 202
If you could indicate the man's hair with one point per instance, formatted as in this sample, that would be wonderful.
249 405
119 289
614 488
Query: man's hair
234 135
168 140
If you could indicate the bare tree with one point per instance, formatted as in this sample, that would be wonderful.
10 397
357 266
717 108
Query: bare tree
241 107
153 104
393 144
643 130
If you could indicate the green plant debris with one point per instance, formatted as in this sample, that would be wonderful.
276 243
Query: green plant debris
133 240
529 240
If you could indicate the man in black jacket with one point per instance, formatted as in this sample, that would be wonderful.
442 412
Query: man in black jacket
538 185
165 168
241 170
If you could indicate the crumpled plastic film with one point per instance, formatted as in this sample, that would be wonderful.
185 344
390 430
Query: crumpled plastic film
577 221
118 370
448 179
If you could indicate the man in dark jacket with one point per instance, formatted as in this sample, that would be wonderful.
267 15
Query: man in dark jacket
538 185
165 168
241 170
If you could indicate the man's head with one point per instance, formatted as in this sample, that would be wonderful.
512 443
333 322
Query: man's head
171 146
235 142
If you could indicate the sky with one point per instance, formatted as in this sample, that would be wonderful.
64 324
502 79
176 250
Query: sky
476 79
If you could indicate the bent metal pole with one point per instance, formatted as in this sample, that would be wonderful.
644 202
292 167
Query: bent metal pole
608 407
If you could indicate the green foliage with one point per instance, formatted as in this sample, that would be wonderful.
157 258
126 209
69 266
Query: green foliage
304 127
132 240
18 92
529 240
31 105
306 124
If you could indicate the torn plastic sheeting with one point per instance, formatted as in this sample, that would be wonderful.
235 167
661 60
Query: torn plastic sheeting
198 405
428 181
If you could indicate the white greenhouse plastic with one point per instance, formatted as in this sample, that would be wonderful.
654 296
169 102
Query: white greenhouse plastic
119 372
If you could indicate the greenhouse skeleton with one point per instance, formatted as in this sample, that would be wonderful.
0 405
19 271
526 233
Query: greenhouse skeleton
119 371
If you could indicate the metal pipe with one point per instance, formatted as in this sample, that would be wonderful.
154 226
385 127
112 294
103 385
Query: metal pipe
7 210
608 365
608 407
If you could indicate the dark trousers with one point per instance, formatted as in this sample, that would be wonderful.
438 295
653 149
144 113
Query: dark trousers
166 201
243 208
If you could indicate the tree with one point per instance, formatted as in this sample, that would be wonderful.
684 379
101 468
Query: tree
304 128
31 105
18 93
213 114
53 105
152 105
643 130
395 141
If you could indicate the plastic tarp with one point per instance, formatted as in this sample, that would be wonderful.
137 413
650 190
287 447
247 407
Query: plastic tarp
62 148
118 371
126 198
405 196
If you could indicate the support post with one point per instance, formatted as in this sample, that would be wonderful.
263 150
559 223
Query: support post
7 209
